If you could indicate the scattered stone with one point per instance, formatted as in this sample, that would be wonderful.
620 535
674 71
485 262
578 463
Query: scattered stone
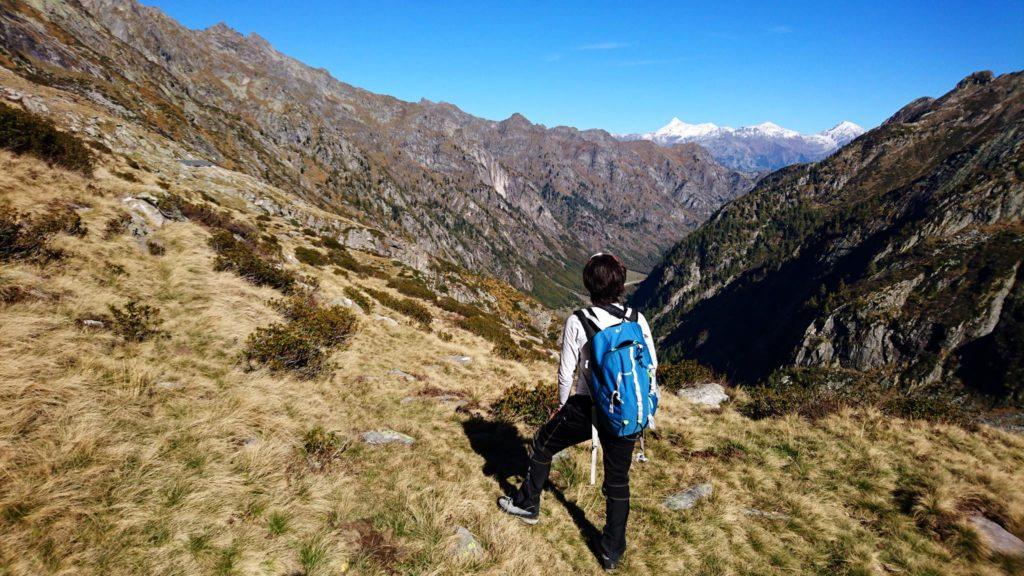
403 375
90 323
688 498
347 303
250 442
710 394
466 545
379 437
385 319
145 216
754 512
464 360
996 538
563 455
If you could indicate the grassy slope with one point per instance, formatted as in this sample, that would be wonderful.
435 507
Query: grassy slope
104 470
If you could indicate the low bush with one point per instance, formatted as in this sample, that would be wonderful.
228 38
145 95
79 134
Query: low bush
209 216
242 259
321 447
532 406
358 297
126 176
282 349
136 322
28 238
452 305
116 226
408 307
485 326
300 345
815 393
520 351
328 326
341 257
22 132
311 256
675 375
155 248
413 287
331 243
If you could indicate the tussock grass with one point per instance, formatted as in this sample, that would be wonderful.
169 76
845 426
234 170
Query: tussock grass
167 457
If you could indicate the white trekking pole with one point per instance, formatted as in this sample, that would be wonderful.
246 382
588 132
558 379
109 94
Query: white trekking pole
594 443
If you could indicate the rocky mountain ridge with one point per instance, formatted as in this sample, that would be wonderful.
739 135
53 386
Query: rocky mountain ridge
764 147
899 257
511 198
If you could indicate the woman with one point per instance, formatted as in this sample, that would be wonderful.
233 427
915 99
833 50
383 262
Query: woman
605 279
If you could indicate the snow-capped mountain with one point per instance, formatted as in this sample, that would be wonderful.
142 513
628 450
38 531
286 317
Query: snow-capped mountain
766 146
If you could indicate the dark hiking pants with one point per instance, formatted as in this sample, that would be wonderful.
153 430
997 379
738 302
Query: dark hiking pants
570 426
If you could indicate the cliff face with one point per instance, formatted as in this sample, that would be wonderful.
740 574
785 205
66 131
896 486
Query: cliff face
511 198
900 255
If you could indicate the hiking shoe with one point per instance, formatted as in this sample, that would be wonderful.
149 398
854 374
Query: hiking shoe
608 564
506 505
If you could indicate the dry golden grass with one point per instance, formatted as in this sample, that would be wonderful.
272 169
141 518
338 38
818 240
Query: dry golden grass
166 457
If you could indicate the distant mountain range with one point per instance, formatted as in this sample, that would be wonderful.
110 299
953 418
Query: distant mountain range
766 146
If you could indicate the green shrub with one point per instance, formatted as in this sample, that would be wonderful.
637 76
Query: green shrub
327 326
209 216
341 257
815 393
321 446
533 406
126 176
28 238
242 259
330 243
487 327
26 133
358 297
301 345
280 348
675 375
310 256
408 307
136 322
116 226
155 248
521 351
413 287
452 305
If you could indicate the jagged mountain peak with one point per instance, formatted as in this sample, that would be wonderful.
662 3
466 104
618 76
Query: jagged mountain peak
757 148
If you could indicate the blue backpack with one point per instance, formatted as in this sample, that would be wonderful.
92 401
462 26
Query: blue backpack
621 366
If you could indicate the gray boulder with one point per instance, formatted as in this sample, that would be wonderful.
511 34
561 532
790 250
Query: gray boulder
996 538
380 437
466 545
711 394
145 216
688 498
464 360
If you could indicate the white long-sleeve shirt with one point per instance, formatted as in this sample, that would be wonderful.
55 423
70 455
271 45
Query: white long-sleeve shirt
576 353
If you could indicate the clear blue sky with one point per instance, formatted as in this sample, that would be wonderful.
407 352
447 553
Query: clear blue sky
632 66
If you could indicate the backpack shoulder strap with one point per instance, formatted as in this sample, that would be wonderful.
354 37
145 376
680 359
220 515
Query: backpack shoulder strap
632 315
589 327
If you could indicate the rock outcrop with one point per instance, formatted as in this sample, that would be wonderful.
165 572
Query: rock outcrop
899 256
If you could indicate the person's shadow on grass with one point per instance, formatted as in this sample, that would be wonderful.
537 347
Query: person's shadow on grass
505 456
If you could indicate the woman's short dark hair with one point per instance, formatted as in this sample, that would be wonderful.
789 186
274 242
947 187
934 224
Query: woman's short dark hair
605 278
